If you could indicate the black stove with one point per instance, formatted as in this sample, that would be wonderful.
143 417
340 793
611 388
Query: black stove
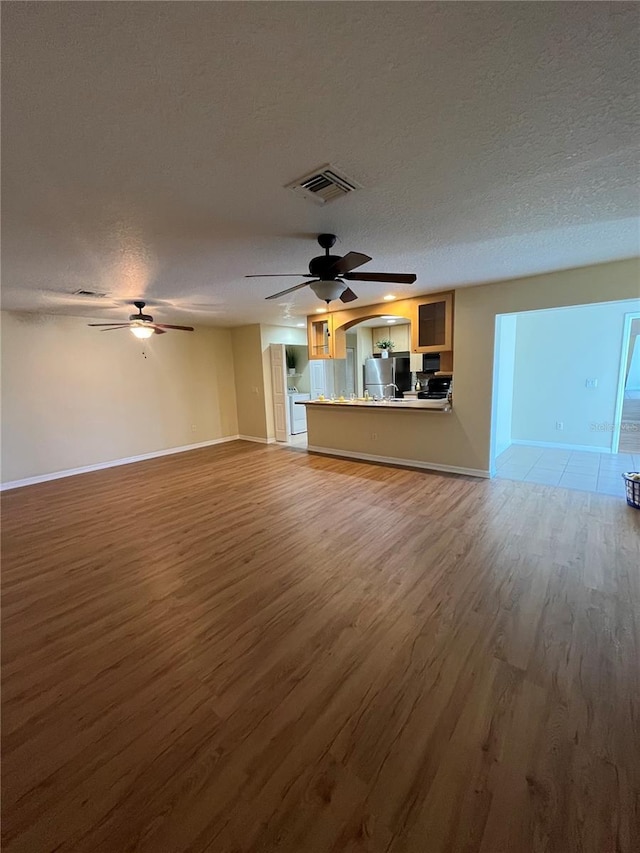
437 388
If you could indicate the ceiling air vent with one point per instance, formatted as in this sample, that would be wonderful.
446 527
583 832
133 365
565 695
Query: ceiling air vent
89 293
324 185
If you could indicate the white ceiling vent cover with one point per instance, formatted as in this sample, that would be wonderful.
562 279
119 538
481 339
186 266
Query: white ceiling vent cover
324 184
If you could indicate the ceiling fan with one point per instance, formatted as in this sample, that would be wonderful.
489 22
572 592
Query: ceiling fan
142 325
329 272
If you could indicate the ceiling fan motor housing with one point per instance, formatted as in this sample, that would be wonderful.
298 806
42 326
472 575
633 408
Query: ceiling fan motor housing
318 266
147 318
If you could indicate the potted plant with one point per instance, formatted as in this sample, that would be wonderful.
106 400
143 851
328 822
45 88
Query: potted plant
386 346
292 360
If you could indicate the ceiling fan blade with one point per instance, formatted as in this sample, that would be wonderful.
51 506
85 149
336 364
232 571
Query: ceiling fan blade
120 325
281 275
350 261
157 331
348 295
395 278
115 328
163 326
288 290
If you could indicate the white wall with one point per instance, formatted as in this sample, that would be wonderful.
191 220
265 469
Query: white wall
73 396
503 381
301 382
556 352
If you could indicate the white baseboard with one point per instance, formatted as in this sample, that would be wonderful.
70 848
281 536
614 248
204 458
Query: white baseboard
558 446
404 463
85 469
256 439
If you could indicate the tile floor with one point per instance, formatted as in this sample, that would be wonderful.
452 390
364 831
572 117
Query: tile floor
585 471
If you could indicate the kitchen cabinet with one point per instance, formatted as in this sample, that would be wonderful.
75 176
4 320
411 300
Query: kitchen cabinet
432 323
321 378
400 335
325 341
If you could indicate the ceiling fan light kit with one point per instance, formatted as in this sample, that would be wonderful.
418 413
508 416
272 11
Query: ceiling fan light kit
142 331
328 290
142 325
329 272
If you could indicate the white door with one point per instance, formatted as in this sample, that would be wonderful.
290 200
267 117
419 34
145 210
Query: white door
279 392
316 375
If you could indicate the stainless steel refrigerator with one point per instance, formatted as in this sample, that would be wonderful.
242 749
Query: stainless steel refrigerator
381 372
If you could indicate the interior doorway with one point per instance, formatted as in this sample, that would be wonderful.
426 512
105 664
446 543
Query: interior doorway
626 438
566 396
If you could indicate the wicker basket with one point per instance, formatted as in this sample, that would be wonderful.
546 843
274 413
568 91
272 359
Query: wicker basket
633 490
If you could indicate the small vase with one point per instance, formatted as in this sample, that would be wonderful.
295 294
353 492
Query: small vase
292 371
384 353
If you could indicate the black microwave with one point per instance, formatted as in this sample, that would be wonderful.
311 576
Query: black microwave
431 362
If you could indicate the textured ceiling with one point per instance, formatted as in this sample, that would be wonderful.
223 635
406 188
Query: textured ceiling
146 146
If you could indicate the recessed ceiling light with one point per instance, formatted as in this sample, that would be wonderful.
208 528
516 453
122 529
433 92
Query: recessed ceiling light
390 321
321 310
301 325
389 297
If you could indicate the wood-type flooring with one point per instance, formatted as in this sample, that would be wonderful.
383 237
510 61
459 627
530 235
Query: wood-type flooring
248 648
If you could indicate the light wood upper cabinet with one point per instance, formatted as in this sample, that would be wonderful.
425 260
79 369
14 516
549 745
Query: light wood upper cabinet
431 318
319 335
400 335
325 341
432 323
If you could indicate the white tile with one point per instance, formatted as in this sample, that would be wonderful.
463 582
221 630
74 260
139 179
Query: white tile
513 473
582 470
576 481
549 466
547 478
525 455
623 459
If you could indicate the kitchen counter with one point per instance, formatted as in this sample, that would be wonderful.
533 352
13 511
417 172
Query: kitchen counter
437 406
410 433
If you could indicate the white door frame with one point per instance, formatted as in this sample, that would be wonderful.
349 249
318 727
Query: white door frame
280 398
498 369
622 379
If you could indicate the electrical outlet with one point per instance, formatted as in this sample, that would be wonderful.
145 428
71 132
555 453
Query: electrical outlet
193 428
559 425
591 383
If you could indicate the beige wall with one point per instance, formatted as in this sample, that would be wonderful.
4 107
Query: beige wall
463 438
247 356
73 396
